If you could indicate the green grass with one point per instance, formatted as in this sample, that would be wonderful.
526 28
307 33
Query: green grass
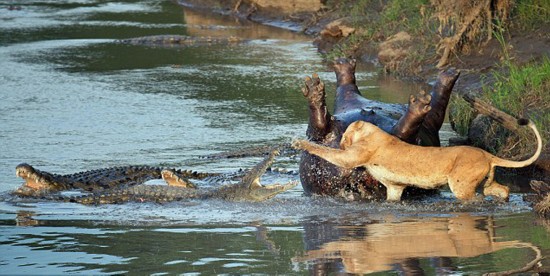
521 87
403 15
461 115
523 91
531 14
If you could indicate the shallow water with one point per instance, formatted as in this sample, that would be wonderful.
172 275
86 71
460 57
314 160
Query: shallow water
71 100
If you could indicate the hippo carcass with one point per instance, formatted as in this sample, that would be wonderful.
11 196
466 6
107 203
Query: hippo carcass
418 123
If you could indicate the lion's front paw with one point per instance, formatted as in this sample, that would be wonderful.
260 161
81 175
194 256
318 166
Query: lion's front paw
301 145
314 89
297 144
420 104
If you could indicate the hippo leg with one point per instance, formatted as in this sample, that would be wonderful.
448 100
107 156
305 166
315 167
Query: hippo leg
426 113
319 117
441 93
408 126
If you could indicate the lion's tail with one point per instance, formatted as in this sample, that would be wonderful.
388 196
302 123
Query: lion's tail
519 164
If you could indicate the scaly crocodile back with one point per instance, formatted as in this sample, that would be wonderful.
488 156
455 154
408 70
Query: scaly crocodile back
101 179
110 178
139 193
182 40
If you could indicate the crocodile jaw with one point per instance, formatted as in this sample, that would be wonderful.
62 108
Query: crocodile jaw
261 193
255 190
34 184
250 189
173 179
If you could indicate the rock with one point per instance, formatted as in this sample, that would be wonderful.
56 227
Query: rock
394 50
338 28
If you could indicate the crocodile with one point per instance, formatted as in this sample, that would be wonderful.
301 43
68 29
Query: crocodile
39 182
178 188
253 151
179 40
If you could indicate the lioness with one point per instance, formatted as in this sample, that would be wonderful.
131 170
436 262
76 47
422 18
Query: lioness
397 164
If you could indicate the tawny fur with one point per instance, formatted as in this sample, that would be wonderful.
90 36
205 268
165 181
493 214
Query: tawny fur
397 164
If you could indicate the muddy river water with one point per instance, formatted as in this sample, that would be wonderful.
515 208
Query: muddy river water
72 100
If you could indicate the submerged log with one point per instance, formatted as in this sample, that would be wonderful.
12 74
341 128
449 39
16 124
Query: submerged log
508 121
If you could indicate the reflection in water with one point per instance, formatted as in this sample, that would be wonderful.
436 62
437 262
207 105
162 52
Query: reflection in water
402 245
201 24
77 247
25 218
291 6
456 245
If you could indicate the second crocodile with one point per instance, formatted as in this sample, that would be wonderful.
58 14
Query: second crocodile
179 40
248 189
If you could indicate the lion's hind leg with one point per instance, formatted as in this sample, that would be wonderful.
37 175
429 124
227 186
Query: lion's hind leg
465 176
493 188
496 189
464 188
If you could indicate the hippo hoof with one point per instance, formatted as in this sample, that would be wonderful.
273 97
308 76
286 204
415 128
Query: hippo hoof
420 104
314 89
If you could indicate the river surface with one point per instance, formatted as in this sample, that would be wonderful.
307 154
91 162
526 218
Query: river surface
71 99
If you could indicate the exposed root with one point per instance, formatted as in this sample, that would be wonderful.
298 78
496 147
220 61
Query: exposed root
467 22
237 6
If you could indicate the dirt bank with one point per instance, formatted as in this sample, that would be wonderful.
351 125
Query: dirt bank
337 31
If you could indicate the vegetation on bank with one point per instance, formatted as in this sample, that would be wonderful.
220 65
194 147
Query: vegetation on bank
531 14
441 30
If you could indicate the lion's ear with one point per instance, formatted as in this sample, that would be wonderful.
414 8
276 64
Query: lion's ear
345 142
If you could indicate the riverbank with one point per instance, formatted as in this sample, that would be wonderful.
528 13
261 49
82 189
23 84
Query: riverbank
415 40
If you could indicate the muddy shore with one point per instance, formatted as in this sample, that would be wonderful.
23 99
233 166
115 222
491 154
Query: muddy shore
328 29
